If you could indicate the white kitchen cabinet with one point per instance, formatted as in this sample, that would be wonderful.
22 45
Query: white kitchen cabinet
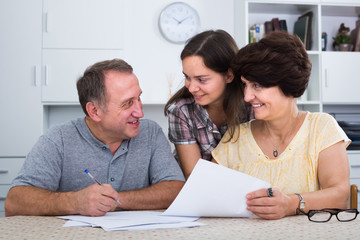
62 68
20 69
83 24
4 189
341 75
76 34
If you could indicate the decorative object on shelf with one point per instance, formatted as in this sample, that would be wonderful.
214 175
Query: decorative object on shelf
323 41
342 40
355 36
256 32
357 44
178 22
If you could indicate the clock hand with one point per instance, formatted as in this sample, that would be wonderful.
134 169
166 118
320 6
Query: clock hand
183 20
179 22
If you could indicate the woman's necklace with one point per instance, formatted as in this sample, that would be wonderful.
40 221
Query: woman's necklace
275 151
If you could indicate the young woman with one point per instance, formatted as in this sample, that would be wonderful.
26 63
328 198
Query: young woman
303 154
198 113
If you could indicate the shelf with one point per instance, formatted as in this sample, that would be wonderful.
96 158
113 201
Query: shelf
57 113
313 52
300 102
333 84
45 104
279 8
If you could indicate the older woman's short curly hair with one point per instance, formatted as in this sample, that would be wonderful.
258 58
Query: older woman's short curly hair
279 59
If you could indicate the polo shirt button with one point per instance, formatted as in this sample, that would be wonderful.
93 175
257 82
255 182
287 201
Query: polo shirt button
210 128
112 179
103 148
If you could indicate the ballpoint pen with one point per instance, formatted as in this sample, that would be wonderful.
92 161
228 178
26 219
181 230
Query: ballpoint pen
96 181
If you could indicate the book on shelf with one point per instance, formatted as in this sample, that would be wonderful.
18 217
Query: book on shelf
302 28
257 31
268 27
276 24
283 25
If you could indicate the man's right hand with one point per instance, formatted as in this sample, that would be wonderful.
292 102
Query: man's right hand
96 200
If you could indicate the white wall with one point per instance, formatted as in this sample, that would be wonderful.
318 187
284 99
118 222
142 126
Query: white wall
154 59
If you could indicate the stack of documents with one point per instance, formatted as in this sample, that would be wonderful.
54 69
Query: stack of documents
211 191
131 220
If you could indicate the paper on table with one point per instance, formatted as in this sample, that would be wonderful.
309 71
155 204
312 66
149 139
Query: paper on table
215 191
131 220
72 223
157 226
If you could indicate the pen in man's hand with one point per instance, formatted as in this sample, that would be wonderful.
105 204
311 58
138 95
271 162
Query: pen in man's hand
92 177
96 181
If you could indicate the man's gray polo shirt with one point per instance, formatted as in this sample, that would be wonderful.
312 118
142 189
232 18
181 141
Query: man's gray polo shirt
59 158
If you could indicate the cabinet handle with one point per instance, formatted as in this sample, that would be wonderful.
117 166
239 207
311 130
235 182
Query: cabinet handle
2 198
46 22
35 76
46 75
326 78
3 171
355 166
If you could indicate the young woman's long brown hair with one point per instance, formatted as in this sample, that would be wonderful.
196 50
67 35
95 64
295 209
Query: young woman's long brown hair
217 49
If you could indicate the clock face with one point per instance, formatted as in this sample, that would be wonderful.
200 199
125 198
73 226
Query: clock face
178 22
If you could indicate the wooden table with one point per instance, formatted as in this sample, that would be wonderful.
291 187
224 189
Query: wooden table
295 227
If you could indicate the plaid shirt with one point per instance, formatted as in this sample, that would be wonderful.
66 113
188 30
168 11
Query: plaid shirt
190 123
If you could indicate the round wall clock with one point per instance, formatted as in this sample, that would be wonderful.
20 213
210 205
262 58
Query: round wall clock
178 22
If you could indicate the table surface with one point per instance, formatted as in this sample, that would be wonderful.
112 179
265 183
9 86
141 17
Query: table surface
294 227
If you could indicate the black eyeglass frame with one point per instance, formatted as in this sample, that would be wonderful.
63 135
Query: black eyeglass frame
332 211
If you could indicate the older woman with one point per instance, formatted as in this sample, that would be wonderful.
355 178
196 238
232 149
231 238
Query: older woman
301 154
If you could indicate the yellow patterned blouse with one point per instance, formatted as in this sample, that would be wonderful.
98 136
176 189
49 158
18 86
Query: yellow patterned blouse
295 170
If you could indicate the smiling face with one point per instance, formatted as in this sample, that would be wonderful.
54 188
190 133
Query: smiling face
206 85
267 103
119 119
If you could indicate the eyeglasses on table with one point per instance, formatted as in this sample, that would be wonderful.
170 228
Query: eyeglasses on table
324 215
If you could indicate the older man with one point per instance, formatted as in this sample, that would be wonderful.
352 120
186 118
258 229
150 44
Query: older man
130 158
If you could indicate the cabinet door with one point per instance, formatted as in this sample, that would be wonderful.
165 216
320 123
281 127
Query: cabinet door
20 62
9 168
4 189
63 68
340 76
85 24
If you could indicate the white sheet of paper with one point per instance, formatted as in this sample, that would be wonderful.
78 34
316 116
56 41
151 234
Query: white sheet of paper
72 223
214 191
158 226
